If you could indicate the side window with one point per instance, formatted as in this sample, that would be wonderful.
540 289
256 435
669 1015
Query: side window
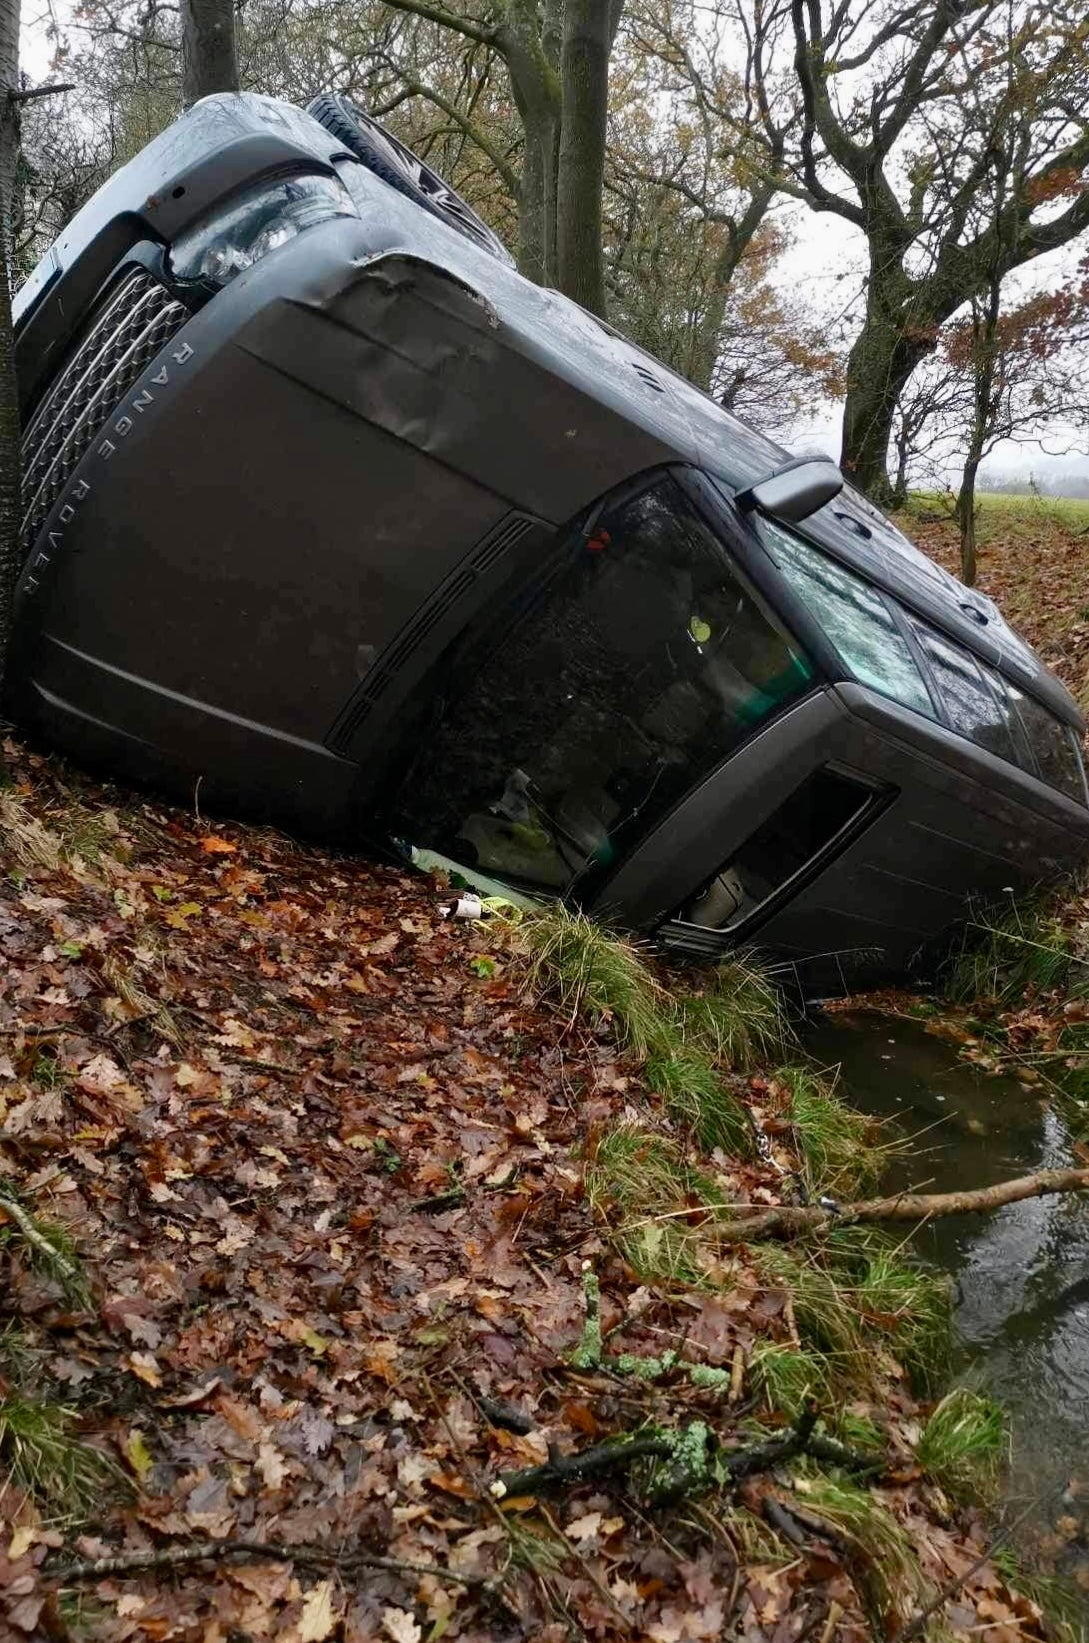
640 660
1058 760
973 708
853 616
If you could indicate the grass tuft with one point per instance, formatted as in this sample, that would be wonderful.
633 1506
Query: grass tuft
965 1445
658 1206
891 1580
1002 955
833 1141
787 1375
41 1454
853 1293
694 1096
737 1017
48 1248
26 841
1063 1607
592 972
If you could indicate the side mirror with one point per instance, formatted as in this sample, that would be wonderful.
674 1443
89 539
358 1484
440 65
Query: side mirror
793 491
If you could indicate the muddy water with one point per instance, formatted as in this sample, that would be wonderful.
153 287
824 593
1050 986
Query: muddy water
1021 1274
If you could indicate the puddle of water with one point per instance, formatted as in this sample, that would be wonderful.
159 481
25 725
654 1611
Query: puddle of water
1022 1273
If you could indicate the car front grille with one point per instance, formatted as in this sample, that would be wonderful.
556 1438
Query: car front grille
132 322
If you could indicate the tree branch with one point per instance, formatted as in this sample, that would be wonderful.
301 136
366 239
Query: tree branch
790 1219
32 92
447 20
211 1551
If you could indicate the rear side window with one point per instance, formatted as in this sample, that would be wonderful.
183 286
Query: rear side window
971 705
854 617
1058 762
994 714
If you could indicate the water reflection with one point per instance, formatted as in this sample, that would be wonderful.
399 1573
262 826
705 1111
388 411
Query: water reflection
1021 1274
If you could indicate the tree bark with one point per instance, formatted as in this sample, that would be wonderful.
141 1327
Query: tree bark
585 79
892 342
790 1218
10 455
966 519
530 53
209 49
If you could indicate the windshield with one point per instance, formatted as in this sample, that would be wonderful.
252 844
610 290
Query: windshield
634 668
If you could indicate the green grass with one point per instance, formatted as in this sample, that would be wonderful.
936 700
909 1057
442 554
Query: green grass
689 1042
1063 1607
593 973
1001 514
694 1095
965 1445
43 1456
854 1292
890 1579
736 1018
657 1205
1003 954
787 1375
46 1247
834 1142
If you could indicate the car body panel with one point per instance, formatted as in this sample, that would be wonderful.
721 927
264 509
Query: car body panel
254 578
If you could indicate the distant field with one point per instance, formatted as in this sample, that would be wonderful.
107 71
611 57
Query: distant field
1033 559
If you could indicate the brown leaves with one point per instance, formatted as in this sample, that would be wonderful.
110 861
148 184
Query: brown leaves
286 1347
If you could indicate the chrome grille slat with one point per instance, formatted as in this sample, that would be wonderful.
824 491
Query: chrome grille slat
133 322
107 316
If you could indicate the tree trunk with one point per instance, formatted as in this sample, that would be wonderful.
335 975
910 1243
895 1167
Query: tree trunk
10 456
893 340
209 50
585 79
529 54
966 519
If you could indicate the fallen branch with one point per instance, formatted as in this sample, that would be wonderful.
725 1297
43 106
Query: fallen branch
792 1218
614 1456
172 1557
761 1457
617 1455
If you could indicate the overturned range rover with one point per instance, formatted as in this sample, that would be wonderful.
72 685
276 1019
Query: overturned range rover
330 510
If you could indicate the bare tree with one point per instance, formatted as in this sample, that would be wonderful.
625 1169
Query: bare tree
209 48
903 112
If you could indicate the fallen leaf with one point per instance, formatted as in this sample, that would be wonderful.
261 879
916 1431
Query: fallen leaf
584 1528
21 1541
137 1453
145 1368
213 845
317 1619
399 1625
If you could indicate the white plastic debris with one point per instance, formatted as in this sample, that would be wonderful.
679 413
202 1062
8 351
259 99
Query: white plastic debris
466 906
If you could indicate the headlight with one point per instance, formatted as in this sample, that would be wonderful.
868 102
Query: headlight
234 236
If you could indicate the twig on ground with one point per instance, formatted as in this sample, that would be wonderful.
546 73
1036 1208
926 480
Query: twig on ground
916 1627
599 1461
743 1463
68 1574
737 1374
